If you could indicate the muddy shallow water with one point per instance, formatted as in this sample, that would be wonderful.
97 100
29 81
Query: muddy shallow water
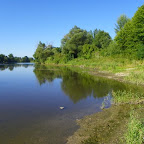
31 97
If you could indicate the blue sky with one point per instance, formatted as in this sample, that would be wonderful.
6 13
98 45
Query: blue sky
23 23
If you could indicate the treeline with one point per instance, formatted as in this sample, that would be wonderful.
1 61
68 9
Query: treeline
79 43
11 59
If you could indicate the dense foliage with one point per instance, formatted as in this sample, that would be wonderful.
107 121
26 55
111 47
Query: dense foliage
11 59
43 52
79 43
131 37
73 42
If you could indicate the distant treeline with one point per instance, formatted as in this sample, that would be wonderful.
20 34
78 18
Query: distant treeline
79 43
11 59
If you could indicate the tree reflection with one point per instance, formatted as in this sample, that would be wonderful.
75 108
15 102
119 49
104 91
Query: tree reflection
11 67
46 74
77 85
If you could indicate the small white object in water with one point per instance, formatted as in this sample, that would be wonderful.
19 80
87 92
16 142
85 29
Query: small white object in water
61 108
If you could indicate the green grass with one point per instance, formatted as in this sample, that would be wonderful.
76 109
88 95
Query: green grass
120 97
136 77
102 63
135 131
135 127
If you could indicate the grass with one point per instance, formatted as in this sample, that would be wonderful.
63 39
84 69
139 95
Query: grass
135 131
120 97
136 77
101 63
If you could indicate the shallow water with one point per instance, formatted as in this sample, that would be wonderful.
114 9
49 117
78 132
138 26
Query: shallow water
30 97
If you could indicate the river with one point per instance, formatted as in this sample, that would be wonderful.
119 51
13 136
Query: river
31 97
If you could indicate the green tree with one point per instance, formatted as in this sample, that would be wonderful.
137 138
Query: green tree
2 58
96 32
38 55
46 53
132 34
140 53
25 59
5 59
87 50
102 39
43 52
121 21
72 42
11 58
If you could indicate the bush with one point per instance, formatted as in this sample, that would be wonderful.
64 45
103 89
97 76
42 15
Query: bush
113 49
87 50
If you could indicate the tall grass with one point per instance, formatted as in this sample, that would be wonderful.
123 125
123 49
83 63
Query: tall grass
127 97
135 131
136 77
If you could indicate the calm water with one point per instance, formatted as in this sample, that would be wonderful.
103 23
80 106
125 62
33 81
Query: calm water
30 97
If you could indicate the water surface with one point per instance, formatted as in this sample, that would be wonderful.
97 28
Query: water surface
30 97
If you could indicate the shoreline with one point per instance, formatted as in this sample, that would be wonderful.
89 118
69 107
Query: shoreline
110 121
119 76
107 126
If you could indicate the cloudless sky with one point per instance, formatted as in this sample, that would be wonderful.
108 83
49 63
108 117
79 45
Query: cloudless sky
23 23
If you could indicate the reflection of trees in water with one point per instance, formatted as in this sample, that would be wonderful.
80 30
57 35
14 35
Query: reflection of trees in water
12 66
44 74
78 85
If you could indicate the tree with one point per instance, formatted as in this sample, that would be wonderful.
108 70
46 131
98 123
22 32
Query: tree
140 53
11 58
38 55
2 57
121 21
72 42
102 39
43 52
46 53
131 36
96 32
87 50
25 59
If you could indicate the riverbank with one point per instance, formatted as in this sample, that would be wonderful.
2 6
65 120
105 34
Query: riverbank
122 123
111 125
122 69
107 127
